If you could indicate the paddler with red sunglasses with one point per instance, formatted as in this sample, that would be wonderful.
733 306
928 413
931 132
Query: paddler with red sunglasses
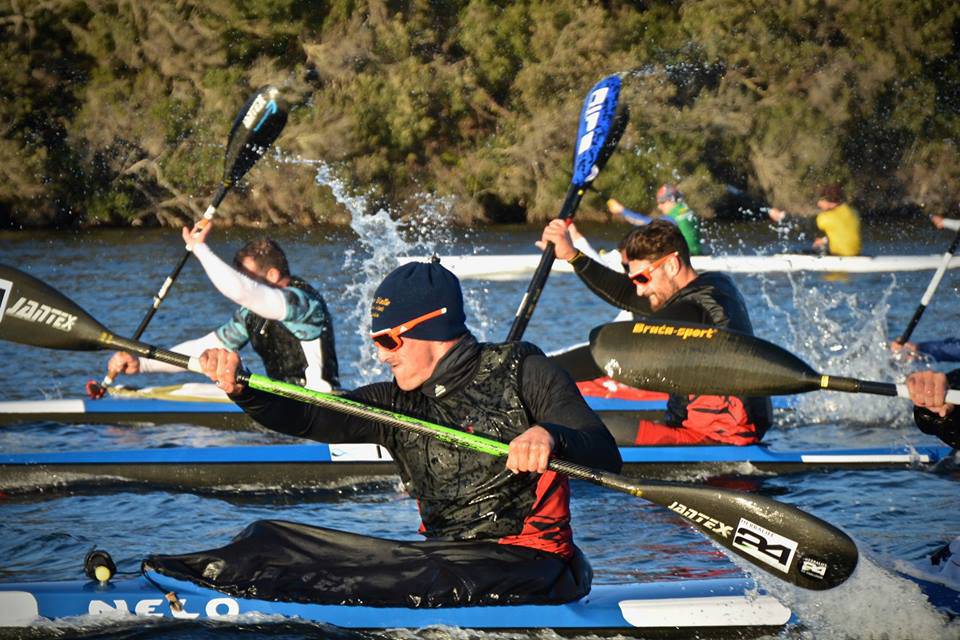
496 533
659 282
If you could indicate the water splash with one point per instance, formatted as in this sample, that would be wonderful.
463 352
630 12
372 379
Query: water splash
838 333
873 603
382 237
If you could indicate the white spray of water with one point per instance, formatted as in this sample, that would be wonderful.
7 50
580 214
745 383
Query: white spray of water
381 239
839 334
872 603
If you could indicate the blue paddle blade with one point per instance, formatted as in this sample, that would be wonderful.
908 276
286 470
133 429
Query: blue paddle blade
597 121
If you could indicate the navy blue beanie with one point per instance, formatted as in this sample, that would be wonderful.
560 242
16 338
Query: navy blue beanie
416 289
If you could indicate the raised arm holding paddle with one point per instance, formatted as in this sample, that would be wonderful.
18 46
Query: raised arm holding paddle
602 121
662 284
283 317
257 125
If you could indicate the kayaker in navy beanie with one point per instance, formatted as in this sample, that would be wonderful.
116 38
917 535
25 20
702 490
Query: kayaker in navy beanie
496 533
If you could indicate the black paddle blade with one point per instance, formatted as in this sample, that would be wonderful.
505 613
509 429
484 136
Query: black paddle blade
36 314
686 358
777 537
257 125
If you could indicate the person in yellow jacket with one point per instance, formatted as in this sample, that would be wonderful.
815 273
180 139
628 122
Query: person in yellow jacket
839 222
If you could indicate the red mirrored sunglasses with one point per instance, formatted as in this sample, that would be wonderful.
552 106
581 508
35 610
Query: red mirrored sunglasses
644 275
390 339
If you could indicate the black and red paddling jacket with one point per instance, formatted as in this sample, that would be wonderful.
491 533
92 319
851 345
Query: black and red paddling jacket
493 390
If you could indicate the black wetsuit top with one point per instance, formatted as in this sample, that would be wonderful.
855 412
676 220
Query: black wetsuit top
711 299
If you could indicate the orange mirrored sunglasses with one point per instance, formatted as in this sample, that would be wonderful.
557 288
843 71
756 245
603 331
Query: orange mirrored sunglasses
644 275
390 339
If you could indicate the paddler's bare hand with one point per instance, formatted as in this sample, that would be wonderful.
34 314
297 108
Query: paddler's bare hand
557 233
530 451
123 362
906 351
928 389
615 207
221 366
937 221
198 234
777 215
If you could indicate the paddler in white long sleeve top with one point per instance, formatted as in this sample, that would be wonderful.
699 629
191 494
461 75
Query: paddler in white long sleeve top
285 319
952 224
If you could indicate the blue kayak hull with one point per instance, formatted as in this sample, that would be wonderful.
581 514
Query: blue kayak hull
681 605
224 415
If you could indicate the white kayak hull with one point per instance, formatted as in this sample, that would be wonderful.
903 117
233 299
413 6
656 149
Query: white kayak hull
514 267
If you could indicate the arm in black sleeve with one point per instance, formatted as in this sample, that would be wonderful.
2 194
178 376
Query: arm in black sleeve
556 405
946 428
615 288
296 418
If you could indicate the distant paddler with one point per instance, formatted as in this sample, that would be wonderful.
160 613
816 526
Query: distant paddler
673 208
659 283
285 319
839 222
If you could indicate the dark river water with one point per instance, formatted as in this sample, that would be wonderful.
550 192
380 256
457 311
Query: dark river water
838 324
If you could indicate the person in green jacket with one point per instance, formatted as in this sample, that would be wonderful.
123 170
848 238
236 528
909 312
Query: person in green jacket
671 204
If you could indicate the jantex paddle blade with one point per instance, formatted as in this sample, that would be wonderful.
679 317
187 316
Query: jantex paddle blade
684 358
257 125
35 314
782 539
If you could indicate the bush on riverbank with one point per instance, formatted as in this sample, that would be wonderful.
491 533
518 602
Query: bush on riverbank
117 113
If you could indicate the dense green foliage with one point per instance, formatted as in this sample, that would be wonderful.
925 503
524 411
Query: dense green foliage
116 112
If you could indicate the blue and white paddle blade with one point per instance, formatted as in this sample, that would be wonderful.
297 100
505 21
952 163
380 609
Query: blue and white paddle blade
598 120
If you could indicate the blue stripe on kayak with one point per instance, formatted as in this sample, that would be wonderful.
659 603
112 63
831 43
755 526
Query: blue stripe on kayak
152 405
620 404
276 453
761 453
293 453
